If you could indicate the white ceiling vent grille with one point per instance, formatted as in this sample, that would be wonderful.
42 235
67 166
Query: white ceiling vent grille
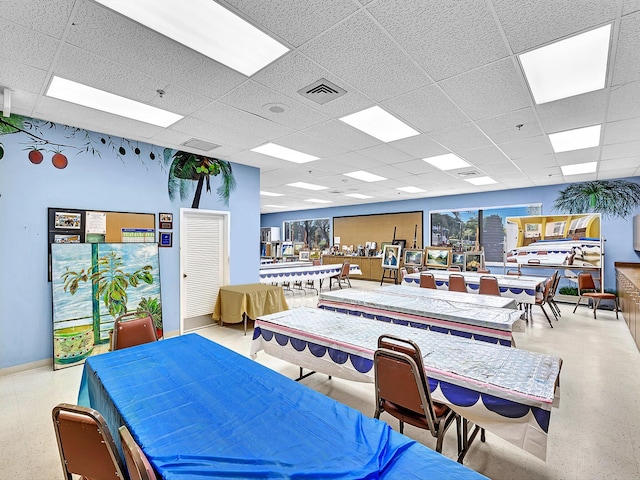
322 91
200 144
467 174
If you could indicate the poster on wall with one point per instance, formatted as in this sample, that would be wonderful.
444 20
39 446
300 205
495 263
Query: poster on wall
92 285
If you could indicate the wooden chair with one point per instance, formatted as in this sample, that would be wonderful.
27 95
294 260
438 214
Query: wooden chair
553 289
131 329
457 283
427 280
544 300
402 389
343 276
85 444
587 289
489 286
136 461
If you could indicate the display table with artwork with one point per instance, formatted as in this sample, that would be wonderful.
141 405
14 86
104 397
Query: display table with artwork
237 303
508 391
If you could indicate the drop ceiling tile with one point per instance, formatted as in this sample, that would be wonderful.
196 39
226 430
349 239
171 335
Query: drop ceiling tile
627 66
574 112
385 153
630 6
24 103
426 109
256 98
503 171
620 150
528 147
294 21
624 102
382 71
578 156
18 76
504 128
463 137
586 177
445 38
342 134
620 173
420 146
295 71
525 183
622 131
549 20
530 165
417 167
123 41
311 145
25 46
352 161
619 164
484 156
49 18
221 134
489 90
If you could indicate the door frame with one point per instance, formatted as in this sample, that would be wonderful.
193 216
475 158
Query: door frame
226 250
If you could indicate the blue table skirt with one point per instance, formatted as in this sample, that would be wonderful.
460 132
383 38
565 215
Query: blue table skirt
199 410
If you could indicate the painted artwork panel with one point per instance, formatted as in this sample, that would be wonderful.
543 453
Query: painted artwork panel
92 285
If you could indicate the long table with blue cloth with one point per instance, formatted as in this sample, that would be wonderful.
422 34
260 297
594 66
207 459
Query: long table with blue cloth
304 274
480 317
199 410
508 391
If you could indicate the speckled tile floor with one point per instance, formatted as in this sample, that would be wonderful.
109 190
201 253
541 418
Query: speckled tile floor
594 434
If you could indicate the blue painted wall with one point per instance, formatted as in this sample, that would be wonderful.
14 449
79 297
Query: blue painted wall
618 233
95 182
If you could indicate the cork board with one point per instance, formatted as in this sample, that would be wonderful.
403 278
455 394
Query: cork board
358 230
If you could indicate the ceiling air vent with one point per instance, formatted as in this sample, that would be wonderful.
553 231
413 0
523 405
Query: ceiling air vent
322 91
200 144
467 174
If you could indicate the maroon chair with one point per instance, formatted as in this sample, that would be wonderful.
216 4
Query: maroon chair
85 444
427 280
489 286
587 289
454 268
136 461
132 329
457 283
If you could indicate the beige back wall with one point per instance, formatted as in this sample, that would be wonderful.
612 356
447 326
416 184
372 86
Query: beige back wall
379 228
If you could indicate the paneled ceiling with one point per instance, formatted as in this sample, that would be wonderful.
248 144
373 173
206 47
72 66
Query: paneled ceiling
449 69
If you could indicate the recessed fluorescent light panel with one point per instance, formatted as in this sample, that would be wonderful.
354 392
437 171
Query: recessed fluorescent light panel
270 194
316 200
481 180
411 189
578 168
364 176
80 94
379 124
284 153
358 195
448 161
568 67
207 28
575 139
307 186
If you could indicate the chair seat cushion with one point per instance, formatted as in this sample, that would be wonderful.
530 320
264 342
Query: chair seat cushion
411 417
601 296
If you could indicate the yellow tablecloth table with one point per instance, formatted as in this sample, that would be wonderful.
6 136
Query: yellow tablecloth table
236 303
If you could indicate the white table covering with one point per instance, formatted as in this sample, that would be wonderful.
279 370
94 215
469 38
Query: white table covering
271 266
458 297
318 272
506 390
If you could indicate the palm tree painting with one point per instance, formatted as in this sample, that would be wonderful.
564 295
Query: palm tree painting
92 285
186 168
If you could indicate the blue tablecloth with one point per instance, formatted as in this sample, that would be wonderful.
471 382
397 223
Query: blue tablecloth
200 410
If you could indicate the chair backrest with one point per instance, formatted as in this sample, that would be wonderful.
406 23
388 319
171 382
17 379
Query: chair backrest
401 380
585 282
131 329
483 270
515 273
457 283
553 288
403 273
85 444
454 268
489 286
427 280
344 273
316 262
137 463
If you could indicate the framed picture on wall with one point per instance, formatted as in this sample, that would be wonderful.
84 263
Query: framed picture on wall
166 221
391 256
304 255
457 258
437 257
413 257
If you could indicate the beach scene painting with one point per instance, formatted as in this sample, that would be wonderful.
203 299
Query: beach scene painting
93 284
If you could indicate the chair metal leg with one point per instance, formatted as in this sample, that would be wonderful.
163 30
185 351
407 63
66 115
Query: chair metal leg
546 315
578 303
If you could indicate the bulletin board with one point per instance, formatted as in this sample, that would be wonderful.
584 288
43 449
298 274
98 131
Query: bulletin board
68 225
379 228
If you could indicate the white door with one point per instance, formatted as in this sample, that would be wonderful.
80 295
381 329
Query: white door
204 264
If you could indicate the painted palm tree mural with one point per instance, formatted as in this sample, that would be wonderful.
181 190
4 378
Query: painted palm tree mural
186 168
93 284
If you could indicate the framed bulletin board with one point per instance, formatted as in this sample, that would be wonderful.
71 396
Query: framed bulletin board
68 225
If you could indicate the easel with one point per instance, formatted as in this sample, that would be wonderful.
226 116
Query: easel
393 272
